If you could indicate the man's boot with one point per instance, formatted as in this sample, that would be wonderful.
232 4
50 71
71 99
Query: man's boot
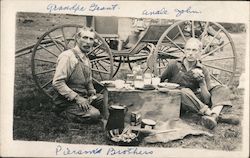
209 122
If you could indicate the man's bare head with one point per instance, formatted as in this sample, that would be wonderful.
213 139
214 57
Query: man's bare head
85 39
193 49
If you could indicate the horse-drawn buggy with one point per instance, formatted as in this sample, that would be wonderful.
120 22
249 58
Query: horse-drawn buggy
152 42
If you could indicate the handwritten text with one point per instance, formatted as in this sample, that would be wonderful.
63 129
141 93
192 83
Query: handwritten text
80 8
128 151
155 12
67 151
74 8
188 10
97 7
62 151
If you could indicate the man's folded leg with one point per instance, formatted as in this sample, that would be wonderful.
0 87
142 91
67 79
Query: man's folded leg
75 114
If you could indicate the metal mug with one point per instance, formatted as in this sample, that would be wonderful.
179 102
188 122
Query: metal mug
116 117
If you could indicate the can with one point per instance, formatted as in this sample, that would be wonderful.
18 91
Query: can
148 124
135 118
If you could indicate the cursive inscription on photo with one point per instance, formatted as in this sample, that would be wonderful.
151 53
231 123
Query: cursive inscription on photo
188 10
52 7
62 151
162 11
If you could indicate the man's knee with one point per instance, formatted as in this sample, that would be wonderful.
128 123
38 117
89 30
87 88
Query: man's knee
94 113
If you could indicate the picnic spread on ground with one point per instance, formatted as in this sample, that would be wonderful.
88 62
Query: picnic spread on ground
149 112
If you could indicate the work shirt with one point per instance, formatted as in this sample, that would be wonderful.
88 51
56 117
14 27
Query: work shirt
176 72
73 74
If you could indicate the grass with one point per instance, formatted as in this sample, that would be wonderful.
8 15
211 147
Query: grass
35 121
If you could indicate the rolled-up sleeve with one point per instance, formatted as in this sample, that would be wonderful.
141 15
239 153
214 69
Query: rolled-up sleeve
63 71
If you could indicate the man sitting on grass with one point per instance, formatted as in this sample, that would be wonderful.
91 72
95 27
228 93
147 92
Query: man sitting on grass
197 93
76 98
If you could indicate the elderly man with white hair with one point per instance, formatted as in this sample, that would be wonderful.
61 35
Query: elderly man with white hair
76 97
197 93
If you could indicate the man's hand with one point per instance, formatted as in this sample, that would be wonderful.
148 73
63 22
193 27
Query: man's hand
82 103
91 98
198 74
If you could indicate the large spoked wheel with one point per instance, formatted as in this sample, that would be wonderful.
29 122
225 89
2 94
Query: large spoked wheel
218 53
52 43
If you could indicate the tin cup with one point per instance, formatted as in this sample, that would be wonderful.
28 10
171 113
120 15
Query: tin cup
148 124
155 81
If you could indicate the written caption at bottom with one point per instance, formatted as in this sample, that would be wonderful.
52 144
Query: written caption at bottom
63 151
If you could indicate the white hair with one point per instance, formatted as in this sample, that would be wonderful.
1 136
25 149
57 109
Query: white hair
195 40
84 29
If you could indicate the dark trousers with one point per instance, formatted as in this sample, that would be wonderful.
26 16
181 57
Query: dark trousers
220 96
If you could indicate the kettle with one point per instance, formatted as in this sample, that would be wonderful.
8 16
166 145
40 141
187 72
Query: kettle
116 117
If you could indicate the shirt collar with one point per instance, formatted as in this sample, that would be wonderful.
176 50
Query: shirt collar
198 63
79 52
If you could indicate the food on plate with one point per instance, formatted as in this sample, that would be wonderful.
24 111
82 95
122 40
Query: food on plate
168 85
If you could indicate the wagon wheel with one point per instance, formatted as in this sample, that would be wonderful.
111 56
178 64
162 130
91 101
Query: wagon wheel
218 53
54 42
141 56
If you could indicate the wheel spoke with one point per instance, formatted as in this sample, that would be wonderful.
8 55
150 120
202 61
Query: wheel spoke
145 69
45 60
64 37
218 68
46 71
98 71
106 61
175 44
100 52
94 49
218 59
204 31
204 56
48 51
101 65
44 85
95 80
102 58
211 40
162 62
181 33
193 34
55 43
215 78
105 72
76 31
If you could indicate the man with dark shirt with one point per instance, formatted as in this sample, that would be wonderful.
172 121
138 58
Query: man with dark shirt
197 93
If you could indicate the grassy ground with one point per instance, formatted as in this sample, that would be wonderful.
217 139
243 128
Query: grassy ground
33 119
